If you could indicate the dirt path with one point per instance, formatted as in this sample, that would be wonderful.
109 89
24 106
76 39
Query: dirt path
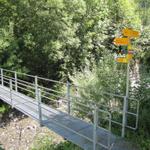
20 132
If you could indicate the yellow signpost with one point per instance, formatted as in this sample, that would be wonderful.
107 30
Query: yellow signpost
121 41
125 59
130 33
122 60
125 41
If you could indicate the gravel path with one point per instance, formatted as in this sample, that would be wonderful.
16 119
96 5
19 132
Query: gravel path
20 132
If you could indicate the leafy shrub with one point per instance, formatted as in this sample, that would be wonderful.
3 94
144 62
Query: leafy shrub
142 93
107 77
4 108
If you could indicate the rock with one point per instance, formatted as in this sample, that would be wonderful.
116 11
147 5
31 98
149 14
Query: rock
11 115
15 120
31 127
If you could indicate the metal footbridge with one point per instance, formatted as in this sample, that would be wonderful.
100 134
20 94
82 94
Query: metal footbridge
88 125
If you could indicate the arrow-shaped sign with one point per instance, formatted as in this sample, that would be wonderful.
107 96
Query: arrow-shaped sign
130 33
122 60
121 41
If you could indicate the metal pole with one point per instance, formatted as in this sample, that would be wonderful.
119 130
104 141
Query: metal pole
127 80
36 88
2 81
68 97
10 84
95 128
127 90
124 118
16 85
137 117
39 107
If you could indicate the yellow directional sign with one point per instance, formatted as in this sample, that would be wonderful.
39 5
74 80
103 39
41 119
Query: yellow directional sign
130 33
122 60
121 41
125 41
125 59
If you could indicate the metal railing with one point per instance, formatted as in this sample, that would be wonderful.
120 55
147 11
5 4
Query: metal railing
29 84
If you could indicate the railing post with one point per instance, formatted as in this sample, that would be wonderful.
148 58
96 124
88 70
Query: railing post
124 118
2 80
16 85
137 112
36 87
68 97
10 86
39 107
109 138
95 116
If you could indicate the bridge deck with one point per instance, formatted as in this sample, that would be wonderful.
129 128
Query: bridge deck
62 123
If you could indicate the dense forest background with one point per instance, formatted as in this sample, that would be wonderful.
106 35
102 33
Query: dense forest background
53 38
60 38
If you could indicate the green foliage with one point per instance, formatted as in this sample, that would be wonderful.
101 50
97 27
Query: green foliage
144 46
4 108
62 36
104 77
125 13
144 96
144 9
47 143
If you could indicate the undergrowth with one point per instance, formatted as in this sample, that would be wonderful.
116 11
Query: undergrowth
46 143
4 108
